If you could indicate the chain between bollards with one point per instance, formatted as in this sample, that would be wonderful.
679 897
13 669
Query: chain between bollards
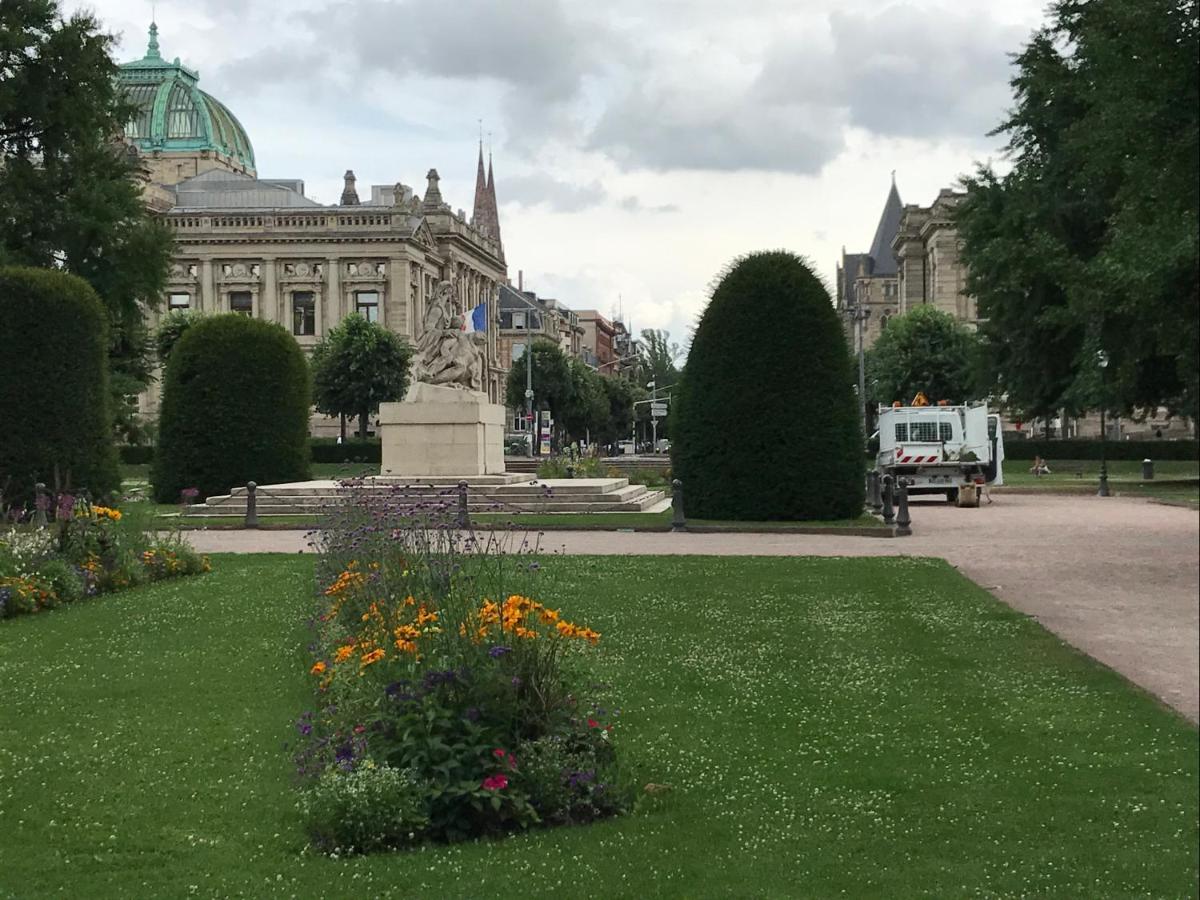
251 504
464 516
678 522
889 515
903 520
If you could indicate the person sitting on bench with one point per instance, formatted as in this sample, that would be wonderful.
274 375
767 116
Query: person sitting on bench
1039 467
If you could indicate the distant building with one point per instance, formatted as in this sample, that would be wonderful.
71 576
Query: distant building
870 279
597 341
261 248
915 259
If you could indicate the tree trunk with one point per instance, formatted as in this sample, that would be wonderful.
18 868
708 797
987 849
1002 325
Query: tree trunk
342 423
362 424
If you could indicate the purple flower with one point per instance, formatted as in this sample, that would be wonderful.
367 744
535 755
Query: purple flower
516 682
497 652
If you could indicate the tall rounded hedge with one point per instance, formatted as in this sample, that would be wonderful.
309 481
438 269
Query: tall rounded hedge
55 419
765 423
235 408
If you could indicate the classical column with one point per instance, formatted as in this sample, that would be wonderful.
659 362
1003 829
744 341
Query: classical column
208 293
397 292
331 301
268 305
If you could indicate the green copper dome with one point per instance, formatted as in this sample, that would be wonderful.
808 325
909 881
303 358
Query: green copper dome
174 114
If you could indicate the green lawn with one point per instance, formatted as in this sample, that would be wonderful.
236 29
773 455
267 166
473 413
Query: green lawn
1063 472
868 727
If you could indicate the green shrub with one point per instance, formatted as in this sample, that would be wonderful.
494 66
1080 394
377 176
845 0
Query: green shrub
64 579
328 450
369 808
54 395
1175 450
235 408
765 421
136 454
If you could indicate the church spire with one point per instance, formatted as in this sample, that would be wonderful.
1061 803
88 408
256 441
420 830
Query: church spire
480 212
492 208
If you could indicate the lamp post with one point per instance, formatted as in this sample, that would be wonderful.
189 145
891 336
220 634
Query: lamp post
653 385
859 313
529 396
1102 362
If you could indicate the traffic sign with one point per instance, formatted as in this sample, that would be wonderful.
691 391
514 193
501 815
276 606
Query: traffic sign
658 407
658 412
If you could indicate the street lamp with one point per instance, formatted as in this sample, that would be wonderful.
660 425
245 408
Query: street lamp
859 313
529 396
1102 362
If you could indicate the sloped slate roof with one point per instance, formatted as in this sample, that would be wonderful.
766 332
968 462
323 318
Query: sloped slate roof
885 231
218 189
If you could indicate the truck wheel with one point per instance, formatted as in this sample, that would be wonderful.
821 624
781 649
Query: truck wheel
952 495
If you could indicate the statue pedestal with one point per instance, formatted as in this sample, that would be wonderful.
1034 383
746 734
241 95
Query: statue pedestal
440 431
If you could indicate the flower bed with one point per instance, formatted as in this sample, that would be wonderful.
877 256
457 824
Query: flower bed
450 704
85 550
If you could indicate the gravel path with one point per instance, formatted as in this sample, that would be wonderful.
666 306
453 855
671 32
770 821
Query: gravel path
1118 578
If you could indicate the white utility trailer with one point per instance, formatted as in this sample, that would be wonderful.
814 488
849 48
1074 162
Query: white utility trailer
940 449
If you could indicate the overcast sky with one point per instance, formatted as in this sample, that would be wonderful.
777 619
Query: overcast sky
639 145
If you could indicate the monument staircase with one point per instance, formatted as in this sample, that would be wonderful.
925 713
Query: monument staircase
511 492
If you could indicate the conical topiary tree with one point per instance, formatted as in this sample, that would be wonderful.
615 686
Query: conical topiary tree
766 424
235 408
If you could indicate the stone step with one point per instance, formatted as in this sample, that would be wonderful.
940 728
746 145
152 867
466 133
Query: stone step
302 507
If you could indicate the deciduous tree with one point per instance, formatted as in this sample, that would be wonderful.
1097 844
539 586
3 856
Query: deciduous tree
357 366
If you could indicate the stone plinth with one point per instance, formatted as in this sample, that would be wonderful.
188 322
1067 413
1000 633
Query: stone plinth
441 431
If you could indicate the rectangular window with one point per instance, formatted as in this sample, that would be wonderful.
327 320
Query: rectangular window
304 313
925 431
366 304
518 320
178 301
241 302
520 423
518 352
901 432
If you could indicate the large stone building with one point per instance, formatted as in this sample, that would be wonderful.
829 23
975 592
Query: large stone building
915 259
260 247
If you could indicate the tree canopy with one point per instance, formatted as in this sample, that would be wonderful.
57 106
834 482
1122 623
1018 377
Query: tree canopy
70 189
357 366
1090 242
925 350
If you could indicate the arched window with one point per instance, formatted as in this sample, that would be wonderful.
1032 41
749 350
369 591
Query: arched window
182 118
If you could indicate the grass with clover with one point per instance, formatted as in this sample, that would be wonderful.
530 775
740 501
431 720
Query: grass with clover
866 727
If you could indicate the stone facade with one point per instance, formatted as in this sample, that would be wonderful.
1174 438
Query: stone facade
260 247
598 334
915 259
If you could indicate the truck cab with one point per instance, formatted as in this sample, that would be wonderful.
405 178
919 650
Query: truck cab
938 449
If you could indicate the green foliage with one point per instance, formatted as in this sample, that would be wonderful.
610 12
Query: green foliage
552 384
1091 241
328 450
924 350
622 394
63 579
54 396
766 423
370 808
1022 448
235 408
586 410
170 330
70 195
357 366
658 365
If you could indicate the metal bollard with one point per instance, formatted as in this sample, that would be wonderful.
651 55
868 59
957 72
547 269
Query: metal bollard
464 516
678 522
1147 470
889 514
40 504
873 497
903 520
251 504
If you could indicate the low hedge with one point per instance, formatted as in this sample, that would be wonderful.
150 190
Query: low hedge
1090 449
328 450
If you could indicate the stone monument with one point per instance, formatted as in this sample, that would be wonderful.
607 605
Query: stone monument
446 426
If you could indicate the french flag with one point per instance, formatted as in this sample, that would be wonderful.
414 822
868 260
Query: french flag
476 320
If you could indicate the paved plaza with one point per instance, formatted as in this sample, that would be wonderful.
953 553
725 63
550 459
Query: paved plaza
1118 577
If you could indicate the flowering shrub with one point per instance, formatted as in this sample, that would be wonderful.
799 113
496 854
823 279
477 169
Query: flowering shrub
432 657
86 550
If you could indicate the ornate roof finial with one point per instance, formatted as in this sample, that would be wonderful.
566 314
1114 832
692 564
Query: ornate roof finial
433 195
349 194
152 48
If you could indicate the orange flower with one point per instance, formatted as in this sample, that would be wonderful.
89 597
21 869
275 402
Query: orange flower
373 657
344 653
318 668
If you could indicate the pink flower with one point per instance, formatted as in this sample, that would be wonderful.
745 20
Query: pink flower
495 782
498 753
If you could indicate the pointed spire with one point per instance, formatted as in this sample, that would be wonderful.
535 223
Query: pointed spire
152 48
889 223
349 193
493 210
479 215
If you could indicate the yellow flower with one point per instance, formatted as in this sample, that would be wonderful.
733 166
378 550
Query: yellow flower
344 653
317 669
373 657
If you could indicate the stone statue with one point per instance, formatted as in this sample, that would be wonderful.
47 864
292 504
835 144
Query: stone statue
445 354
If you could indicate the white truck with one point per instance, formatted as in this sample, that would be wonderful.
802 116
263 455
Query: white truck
940 449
